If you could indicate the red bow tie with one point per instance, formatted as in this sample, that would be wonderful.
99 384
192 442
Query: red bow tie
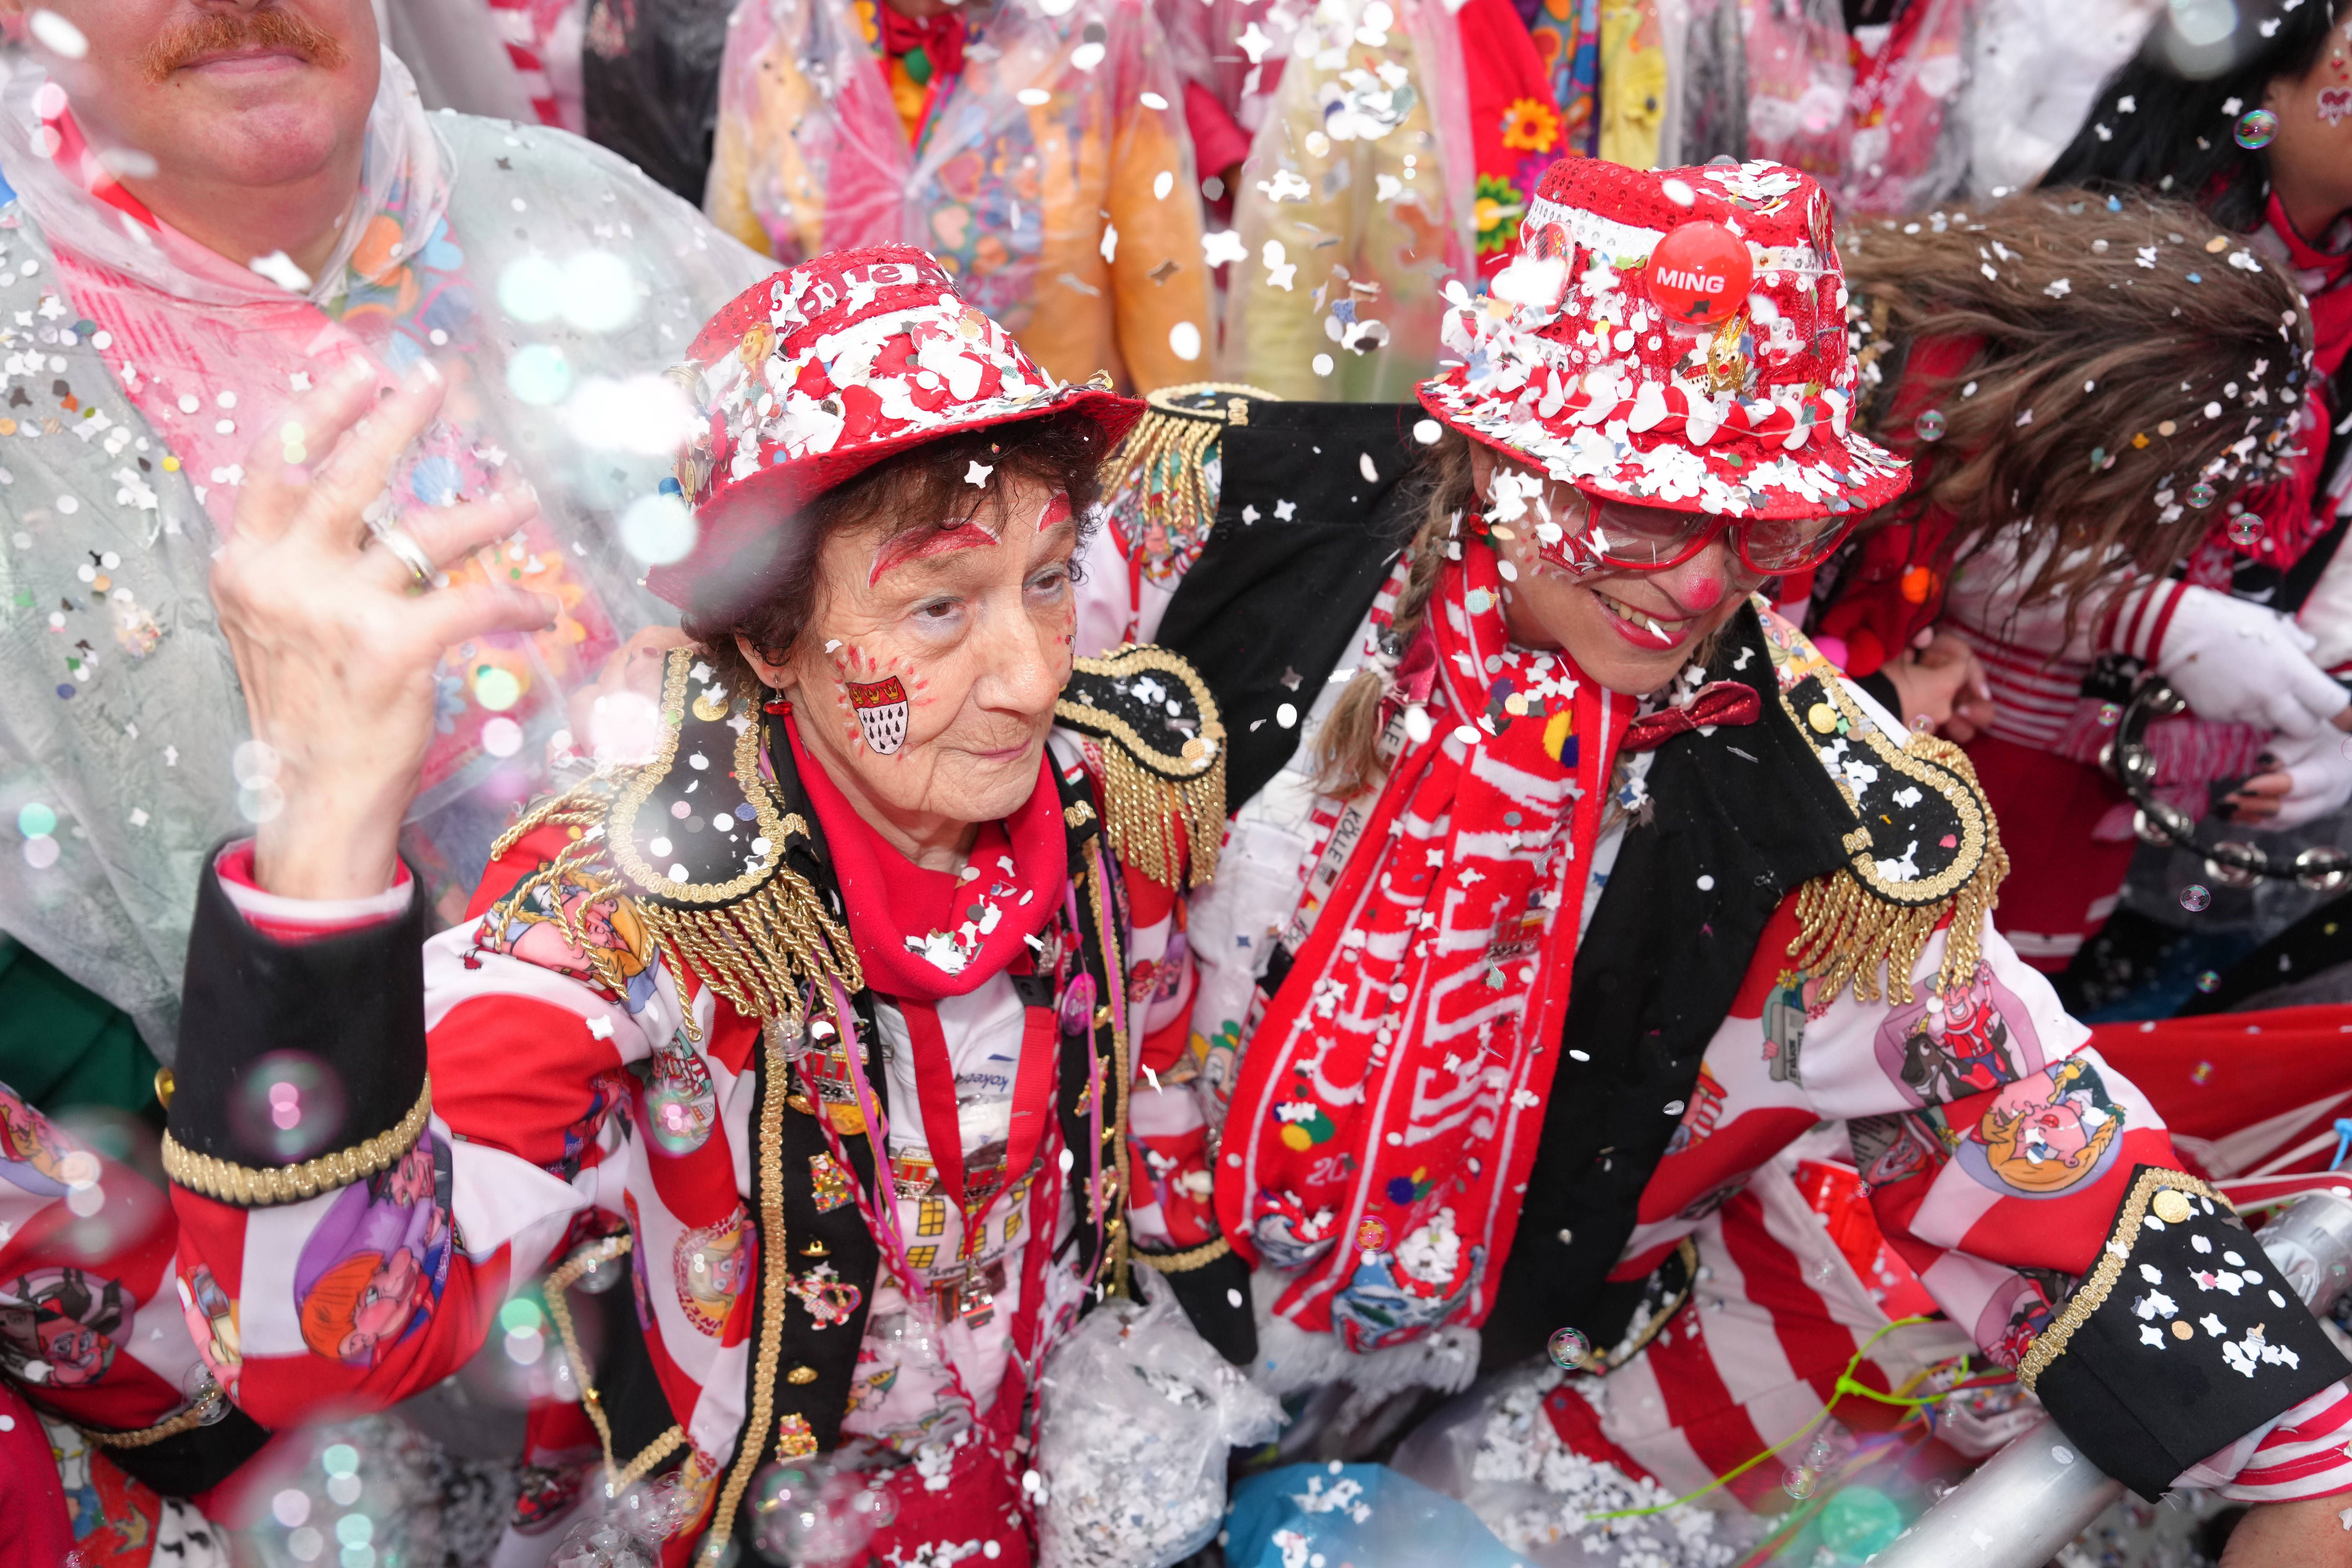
1718 702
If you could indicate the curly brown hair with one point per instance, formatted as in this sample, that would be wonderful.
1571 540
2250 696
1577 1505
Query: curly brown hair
769 601
2128 349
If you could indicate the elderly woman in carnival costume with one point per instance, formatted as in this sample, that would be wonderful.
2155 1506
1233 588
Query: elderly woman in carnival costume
1598 888
873 1059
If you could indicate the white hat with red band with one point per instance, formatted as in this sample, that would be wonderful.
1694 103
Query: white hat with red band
1672 338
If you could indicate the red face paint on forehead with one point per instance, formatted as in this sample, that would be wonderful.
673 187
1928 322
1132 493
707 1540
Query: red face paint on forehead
923 543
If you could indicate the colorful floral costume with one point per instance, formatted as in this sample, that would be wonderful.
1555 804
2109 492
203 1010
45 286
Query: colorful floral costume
1050 172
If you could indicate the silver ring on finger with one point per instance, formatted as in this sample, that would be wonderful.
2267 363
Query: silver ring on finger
407 551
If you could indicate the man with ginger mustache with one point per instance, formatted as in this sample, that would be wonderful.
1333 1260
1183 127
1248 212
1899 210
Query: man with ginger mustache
219 204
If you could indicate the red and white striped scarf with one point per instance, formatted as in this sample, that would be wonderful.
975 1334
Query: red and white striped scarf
1388 1108
522 27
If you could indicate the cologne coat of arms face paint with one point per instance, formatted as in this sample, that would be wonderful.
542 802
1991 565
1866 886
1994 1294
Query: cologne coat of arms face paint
881 713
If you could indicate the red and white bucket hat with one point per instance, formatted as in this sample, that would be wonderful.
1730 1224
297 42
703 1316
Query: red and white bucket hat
811 377
1672 337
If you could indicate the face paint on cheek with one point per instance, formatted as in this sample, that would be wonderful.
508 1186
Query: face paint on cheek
922 543
2334 103
881 711
879 697
1562 553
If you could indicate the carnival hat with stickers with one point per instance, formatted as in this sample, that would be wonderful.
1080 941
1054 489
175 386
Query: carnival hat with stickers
1672 338
812 376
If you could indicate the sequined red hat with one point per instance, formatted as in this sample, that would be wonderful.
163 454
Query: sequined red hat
811 377
1675 337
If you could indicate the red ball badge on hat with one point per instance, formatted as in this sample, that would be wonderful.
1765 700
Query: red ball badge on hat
1700 274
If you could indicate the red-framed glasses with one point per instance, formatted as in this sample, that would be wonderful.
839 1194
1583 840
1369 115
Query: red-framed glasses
1650 539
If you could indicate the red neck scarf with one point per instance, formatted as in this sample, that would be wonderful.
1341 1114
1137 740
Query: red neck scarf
1388 1108
2331 301
923 934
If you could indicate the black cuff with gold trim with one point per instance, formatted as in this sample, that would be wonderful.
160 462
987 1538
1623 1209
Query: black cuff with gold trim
2182 1339
352 1005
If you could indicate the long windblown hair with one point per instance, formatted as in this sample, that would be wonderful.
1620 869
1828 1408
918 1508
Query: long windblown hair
2136 367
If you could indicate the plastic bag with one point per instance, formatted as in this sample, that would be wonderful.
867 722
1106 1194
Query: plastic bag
1366 1516
1497 1450
1136 1413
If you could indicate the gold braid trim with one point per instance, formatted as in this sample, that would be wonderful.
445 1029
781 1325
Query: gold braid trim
617 1475
206 1409
1847 934
759 952
2091 1294
1156 823
256 1186
1200 1256
775 1297
1160 460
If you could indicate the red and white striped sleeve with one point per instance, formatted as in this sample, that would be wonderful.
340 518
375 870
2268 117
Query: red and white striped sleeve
309 1031
1998 1146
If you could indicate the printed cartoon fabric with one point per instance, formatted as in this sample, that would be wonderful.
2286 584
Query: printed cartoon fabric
1368 138
1052 176
1975 1149
122 369
1979 1148
95 1331
591 1089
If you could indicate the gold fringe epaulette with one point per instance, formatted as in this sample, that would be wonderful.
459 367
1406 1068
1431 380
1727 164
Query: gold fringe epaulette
1157 476
1163 760
708 884
1925 848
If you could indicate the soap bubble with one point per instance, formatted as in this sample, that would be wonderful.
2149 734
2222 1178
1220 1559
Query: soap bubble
1799 1482
1569 1348
2195 897
286 1107
1929 425
658 530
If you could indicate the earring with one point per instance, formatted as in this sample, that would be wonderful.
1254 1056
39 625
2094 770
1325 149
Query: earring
777 703
2255 128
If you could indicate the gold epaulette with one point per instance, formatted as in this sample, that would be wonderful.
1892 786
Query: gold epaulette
1923 849
1163 754
1158 474
693 842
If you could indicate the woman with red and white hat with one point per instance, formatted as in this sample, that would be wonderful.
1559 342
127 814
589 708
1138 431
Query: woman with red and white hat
1597 889
830 1023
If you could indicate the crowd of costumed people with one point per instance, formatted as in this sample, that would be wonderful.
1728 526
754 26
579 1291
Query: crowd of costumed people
1175 784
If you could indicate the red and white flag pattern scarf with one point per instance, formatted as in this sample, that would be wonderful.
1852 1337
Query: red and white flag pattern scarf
1388 1108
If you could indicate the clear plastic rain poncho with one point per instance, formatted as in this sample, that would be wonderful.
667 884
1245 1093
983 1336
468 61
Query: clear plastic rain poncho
1234 50
550 281
1353 210
1872 115
1053 177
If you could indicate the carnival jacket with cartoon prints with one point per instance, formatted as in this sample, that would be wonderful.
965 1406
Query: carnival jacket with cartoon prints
603 1091
1726 1000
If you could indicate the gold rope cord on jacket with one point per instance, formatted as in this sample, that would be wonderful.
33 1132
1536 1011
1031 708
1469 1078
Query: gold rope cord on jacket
775 1295
259 1187
617 1476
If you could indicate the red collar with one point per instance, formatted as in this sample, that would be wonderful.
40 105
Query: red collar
1012 884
